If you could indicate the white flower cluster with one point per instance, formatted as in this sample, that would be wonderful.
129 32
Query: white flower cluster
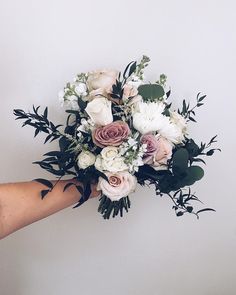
70 94
133 153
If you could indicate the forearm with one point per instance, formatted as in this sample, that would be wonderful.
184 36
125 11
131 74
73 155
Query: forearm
21 204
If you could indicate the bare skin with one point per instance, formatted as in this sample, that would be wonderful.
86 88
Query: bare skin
21 204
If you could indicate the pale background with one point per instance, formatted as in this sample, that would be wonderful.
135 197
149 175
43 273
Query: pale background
43 44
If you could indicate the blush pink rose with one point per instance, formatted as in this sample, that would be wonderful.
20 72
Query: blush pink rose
102 80
112 134
129 91
152 147
119 185
163 153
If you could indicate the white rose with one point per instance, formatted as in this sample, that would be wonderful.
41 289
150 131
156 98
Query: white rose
85 159
99 110
180 122
111 161
81 89
98 163
115 165
103 79
119 185
109 153
129 91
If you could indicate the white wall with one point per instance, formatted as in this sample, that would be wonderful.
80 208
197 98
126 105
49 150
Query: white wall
43 44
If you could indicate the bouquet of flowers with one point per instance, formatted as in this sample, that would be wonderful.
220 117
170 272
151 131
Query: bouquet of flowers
122 131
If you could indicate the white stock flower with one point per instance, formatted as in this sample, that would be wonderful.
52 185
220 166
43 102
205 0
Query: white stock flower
69 101
72 102
99 110
61 97
81 89
85 159
85 125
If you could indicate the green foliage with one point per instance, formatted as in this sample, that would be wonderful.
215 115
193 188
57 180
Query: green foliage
39 122
181 202
118 87
188 112
151 92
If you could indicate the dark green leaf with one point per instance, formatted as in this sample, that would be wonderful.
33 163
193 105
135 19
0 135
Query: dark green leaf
199 104
206 209
80 189
189 209
180 161
44 193
193 174
45 114
44 182
201 98
192 119
132 68
67 186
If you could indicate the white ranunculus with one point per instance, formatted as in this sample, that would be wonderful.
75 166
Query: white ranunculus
99 110
85 159
109 153
81 89
119 185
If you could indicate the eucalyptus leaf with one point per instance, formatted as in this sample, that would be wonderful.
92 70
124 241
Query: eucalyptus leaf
193 174
180 161
151 91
